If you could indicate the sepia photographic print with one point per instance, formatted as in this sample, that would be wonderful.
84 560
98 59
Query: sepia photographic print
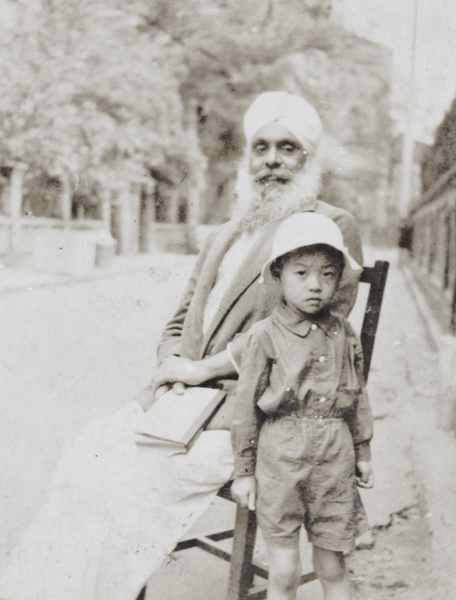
228 299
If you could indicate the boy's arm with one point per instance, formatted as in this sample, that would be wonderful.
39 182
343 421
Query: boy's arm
345 297
253 381
361 427
361 422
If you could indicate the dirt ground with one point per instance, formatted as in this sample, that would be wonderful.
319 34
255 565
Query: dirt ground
400 563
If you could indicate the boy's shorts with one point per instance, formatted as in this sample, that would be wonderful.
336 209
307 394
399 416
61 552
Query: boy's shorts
306 476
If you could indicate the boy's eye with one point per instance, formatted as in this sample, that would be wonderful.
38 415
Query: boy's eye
302 272
329 274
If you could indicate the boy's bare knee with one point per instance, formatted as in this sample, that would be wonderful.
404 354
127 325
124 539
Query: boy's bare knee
283 581
329 565
285 575
284 569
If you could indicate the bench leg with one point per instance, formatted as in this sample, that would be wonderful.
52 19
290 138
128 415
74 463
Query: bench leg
241 575
142 594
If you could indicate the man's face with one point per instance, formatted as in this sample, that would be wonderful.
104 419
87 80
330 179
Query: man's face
275 155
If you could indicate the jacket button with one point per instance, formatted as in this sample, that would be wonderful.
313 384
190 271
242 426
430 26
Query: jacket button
322 399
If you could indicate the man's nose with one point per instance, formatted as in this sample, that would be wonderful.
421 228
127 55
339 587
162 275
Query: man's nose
273 158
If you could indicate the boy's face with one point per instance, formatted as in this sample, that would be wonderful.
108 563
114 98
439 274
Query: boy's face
309 280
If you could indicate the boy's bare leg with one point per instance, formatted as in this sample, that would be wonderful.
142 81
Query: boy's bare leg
284 573
330 568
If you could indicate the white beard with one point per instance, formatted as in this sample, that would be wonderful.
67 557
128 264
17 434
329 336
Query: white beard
260 203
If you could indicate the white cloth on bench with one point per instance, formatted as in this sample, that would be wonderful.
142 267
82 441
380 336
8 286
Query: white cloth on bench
115 512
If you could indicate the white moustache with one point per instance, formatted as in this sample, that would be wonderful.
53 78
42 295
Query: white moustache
282 176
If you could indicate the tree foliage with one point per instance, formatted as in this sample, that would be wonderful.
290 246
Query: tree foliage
112 90
441 156
84 90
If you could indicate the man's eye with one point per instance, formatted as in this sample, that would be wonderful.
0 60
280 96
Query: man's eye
302 272
329 274
260 148
288 148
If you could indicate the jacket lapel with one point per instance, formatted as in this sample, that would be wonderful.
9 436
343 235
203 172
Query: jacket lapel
215 256
206 280
249 270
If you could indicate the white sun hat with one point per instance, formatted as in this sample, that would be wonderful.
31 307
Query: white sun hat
308 229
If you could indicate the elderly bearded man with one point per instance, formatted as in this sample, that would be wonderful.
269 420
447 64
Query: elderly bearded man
279 176
116 510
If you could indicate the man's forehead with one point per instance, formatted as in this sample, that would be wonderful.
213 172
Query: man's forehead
291 111
275 132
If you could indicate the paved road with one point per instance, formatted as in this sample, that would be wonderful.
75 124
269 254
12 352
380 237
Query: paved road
71 352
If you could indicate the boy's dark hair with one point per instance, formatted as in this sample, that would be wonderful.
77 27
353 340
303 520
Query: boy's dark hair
335 255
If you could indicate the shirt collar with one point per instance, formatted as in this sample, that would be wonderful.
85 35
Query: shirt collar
301 325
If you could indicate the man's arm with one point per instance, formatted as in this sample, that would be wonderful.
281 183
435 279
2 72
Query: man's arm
170 343
174 370
177 372
345 297
348 289
350 231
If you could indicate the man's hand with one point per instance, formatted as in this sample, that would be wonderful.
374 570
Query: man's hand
145 398
243 490
365 474
176 372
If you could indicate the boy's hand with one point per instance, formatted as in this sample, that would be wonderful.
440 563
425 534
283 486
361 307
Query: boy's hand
364 474
243 490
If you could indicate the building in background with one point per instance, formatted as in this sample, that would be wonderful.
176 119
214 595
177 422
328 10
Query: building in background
432 222
429 254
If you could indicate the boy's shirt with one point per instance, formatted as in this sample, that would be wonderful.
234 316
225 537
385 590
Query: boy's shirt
308 368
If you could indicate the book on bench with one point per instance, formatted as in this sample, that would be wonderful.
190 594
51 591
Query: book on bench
175 420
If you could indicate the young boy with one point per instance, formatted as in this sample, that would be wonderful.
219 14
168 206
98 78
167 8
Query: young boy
302 422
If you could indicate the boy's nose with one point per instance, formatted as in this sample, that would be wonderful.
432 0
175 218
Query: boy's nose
314 283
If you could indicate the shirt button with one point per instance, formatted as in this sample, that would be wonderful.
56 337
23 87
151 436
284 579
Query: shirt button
322 359
322 399
313 326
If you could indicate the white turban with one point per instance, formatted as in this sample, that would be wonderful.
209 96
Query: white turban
293 112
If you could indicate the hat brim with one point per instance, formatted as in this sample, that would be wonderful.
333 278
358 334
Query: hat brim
352 270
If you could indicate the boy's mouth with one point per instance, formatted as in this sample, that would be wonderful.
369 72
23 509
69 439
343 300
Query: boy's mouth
314 301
